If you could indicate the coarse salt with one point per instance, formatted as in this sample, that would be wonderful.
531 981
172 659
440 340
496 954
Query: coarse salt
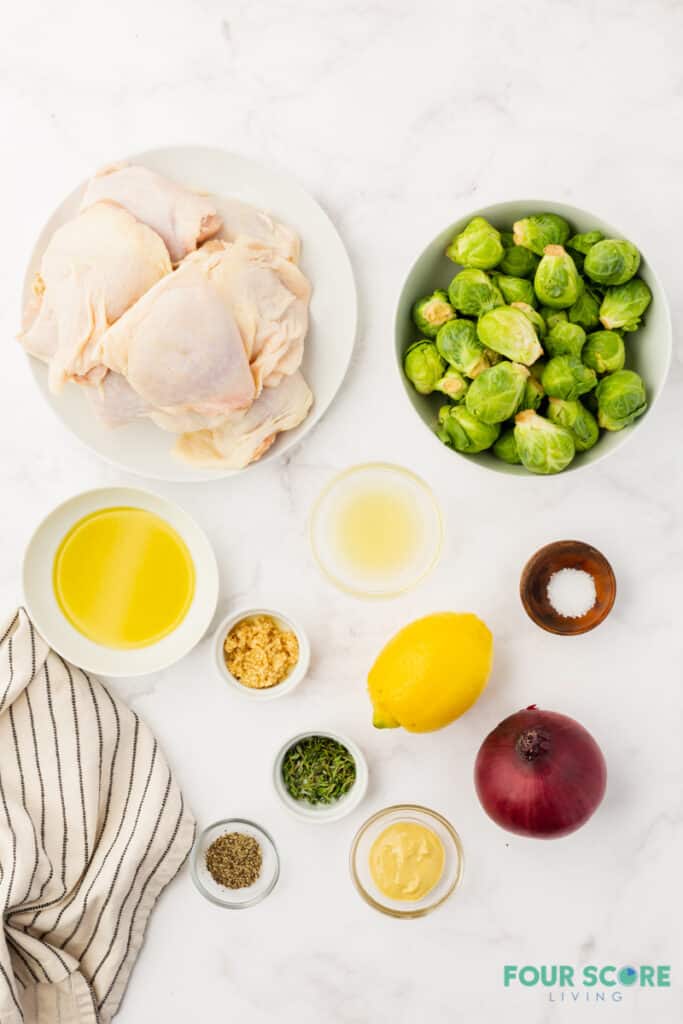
571 592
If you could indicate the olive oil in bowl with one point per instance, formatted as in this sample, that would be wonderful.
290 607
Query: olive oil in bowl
123 577
376 530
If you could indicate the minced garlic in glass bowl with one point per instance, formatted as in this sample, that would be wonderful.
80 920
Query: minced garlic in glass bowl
258 653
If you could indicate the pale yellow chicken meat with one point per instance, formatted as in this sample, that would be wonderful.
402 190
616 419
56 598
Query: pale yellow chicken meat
245 437
182 218
94 268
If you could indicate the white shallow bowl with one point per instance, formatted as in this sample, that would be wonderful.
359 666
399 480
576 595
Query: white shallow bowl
271 692
43 608
235 899
322 813
143 448
648 350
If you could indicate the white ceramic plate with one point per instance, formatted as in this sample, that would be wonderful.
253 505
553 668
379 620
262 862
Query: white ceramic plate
648 350
42 606
141 447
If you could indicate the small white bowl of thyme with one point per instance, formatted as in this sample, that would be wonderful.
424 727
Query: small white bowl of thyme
235 863
262 654
320 776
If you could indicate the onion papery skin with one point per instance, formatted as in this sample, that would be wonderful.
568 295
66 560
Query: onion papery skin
540 774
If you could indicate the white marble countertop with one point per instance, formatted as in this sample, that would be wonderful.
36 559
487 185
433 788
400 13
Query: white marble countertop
398 117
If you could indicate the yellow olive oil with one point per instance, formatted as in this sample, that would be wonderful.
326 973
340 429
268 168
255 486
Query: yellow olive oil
377 529
123 577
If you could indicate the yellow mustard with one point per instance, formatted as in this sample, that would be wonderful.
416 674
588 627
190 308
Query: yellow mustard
406 860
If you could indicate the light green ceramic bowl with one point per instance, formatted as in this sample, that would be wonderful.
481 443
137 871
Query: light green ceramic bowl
648 350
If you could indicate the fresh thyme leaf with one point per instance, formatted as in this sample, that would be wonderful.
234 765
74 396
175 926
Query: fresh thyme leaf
318 770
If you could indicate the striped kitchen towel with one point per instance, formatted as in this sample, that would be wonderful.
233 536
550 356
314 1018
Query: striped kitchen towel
92 827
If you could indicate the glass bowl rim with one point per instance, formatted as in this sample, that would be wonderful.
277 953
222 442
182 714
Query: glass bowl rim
428 812
199 885
351 471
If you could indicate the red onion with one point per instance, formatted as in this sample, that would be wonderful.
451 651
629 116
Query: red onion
540 774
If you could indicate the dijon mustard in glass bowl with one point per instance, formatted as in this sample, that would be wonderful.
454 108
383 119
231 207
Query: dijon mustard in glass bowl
421 895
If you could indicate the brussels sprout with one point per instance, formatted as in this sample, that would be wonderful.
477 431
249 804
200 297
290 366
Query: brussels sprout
604 352
586 310
557 282
423 366
577 419
584 243
517 261
430 313
612 261
473 292
621 399
533 315
505 448
478 246
459 429
515 289
458 344
453 384
543 447
553 316
623 306
509 332
533 395
539 231
565 339
496 394
566 377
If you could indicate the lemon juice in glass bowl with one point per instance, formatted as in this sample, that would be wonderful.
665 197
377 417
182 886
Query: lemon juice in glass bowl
376 530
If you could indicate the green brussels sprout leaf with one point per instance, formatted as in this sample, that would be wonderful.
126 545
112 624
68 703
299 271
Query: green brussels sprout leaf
585 242
430 313
623 306
557 282
458 344
515 289
496 394
539 231
604 352
566 377
508 331
543 446
459 429
533 315
423 366
577 419
473 293
453 384
586 310
612 261
517 261
621 399
565 339
505 448
478 246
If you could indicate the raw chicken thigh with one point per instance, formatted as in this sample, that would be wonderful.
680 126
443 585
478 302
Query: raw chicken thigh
209 351
94 268
245 437
182 218
180 347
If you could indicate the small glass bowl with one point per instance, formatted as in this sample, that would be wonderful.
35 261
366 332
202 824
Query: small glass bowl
384 477
359 860
566 554
321 813
235 899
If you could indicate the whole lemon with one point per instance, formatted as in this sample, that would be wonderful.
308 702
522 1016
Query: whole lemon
430 672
